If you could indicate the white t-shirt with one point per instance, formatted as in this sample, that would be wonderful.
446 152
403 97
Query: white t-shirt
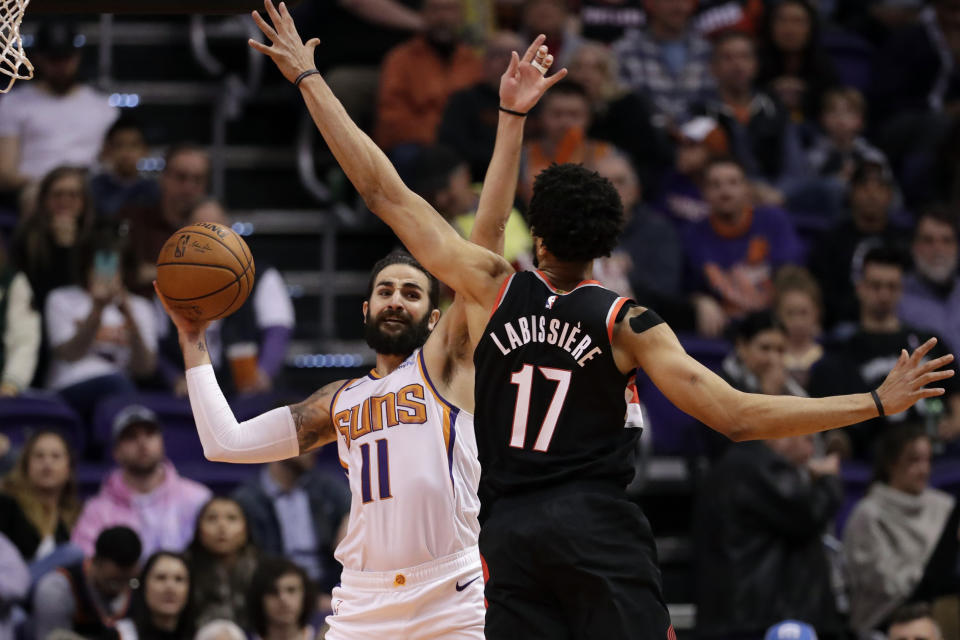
66 308
55 130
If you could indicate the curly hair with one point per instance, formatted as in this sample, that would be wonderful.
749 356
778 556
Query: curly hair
576 211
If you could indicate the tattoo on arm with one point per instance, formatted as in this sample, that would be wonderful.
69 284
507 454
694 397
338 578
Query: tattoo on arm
312 419
201 347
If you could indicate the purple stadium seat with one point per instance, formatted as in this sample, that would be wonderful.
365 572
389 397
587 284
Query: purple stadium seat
179 431
33 410
852 55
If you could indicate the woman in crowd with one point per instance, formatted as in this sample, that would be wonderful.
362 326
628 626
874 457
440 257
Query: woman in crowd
47 245
793 66
160 607
900 543
282 601
222 561
20 329
799 304
38 498
101 336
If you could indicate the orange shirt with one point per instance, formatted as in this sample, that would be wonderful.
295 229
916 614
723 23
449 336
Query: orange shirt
415 83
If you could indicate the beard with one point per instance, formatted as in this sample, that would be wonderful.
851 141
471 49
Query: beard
412 337
142 468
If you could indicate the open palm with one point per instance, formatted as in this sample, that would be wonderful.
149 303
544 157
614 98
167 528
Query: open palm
522 85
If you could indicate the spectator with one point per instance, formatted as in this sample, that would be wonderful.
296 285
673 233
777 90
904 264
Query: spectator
89 596
145 492
551 18
469 123
419 76
54 120
222 561
666 60
799 307
837 258
841 148
220 630
282 601
13 587
101 336
119 185
618 116
183 183
20 330
564 122
160 606
912 622
854 364
47 245
299 512
733 254
900 543
38 503
760 518
793 65
698 141
757 127
756 365
931 295
267 324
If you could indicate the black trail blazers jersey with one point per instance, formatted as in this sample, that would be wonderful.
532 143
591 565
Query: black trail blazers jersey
549 398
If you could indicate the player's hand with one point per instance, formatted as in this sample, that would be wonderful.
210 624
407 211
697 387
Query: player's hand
288 52
523 83
907 381
187 328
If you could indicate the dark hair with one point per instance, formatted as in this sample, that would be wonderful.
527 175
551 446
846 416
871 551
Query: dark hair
576 211
885 255
872 168
913 611
140 612
120 545
728 35
432 169
124 123
264 583
568 88
724 160
755 323
939 213
402 257
891 445
183 147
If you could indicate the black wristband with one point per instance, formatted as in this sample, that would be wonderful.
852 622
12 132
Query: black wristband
512 112
308 72
876 400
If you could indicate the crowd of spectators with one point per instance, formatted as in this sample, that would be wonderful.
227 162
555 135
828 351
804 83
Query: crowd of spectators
780 201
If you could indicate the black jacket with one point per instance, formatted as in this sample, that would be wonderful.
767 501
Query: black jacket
14 525
760 558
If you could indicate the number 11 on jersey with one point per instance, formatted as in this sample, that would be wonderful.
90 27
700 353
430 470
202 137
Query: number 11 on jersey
383 471
521 411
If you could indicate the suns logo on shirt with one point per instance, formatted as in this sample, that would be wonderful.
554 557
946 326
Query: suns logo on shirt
406 406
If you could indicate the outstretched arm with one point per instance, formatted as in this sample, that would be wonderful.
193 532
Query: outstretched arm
283 433
750 416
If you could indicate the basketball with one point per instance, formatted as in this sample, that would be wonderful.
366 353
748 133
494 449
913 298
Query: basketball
205 271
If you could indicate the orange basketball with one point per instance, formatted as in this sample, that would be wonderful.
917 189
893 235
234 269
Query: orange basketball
205 271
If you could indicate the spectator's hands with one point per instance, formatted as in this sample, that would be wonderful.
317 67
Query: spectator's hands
104 290
828 465
906 382
766 195
191 329
523 84
288 52
711 319
8 390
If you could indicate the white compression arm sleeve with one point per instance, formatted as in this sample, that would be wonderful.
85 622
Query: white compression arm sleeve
268 437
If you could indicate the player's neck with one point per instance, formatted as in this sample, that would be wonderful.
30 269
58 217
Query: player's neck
565 276
386 363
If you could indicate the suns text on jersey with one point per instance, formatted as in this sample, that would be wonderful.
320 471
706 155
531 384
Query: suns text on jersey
406 406
543 330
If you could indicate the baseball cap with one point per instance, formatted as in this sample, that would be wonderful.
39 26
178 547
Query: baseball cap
697 129
791 630
870 167
131 415
57 38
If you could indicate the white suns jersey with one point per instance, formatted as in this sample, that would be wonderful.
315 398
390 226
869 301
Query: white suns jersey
411 458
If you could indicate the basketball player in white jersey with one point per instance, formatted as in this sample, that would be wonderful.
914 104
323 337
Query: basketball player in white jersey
404 432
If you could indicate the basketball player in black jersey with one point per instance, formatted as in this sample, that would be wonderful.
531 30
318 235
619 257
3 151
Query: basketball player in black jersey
568 556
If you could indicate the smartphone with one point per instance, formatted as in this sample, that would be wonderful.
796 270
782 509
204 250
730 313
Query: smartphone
106 264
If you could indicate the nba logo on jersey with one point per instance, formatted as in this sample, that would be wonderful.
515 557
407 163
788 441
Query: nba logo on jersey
550 302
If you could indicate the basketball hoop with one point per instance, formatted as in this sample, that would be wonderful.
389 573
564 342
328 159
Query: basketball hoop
12 56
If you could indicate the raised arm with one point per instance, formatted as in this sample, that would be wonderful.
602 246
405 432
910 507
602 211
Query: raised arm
283 433
639 342
471 270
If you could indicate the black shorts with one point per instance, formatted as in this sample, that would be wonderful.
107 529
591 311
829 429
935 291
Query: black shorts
572 562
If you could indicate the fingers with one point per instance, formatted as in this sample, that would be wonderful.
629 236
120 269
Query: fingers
266 28
533 48
929 392
259 46
514 63
922 350
272 12
161 297
933 376
942 361
555 78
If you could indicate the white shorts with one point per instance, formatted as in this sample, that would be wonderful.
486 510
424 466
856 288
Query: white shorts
438 599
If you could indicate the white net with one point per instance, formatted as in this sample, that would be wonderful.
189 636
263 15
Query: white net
13 61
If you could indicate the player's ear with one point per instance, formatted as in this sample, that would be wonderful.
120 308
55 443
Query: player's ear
364 308
434 318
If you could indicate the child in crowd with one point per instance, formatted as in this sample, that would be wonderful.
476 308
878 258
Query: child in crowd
120 185
842 146
799 305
